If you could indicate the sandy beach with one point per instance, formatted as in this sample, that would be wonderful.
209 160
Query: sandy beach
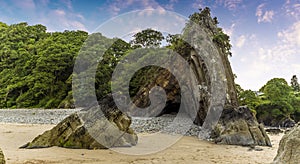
186 150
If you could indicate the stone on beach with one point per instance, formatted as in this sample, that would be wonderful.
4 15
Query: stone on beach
2 159
100 126
238 126
289 147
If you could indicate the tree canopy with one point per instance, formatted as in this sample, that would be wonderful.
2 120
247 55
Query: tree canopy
294 84
147 38
275 102
35 66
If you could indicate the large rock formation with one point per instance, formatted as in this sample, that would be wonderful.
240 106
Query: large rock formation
289 147
238 126
2 159
102 126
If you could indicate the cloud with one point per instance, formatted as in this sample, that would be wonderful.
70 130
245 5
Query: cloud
264 16
257 63
59 13
24 4
44 2
292 9
170 5
230 4
151 6
115 7
241 41
296 67
64 20
282 58
291 36
67 3
267 17
229 31
198 4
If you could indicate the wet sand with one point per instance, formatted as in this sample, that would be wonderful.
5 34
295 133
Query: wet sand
186 150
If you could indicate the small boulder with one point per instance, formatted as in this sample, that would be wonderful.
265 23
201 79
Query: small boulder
2 159
98 127
289 147
238 126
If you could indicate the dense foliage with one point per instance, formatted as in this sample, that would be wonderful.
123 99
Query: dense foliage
147 38
35 66
275 102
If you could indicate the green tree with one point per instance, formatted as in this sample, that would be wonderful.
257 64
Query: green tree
105 69
147 38
294 84
36 66
276 89
249 98
177 44
278 92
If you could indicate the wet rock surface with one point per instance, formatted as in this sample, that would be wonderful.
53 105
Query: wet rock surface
289 147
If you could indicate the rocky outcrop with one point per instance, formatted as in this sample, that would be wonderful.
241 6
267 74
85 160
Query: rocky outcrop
100 126
208 60
2 159
289 148
238 126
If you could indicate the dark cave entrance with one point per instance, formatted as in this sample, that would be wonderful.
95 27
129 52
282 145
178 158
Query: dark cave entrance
170 108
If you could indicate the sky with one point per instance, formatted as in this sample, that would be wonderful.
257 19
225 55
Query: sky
265 34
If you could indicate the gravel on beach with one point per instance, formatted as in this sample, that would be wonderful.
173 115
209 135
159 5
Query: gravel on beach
54 116
34 116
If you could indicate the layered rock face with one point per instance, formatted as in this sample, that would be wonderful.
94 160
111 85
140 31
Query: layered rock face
2 159
238 126
97 127
289 148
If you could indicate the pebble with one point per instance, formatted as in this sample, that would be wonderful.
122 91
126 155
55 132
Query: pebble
163 123
34 116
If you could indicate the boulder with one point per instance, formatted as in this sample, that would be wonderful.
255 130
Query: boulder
97 127
238 126
2 159
289 147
